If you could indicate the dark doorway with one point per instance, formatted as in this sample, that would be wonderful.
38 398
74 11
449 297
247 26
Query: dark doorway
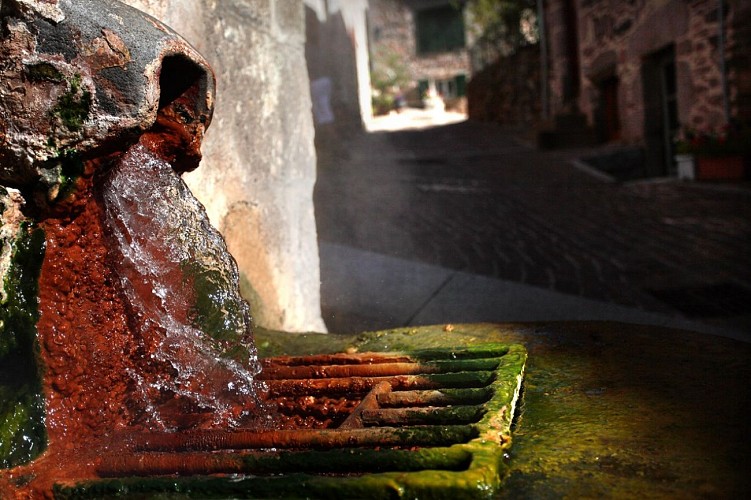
660 111
610 123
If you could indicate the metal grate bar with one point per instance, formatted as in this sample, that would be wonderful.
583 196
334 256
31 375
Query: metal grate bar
369 403
379 369
443 397
343 461
361 385
302 438
370 358
422 416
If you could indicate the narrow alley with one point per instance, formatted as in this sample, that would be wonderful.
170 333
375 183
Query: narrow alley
465 222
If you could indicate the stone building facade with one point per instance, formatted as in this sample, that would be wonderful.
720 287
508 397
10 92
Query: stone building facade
640 70
400 33
495 94
258 170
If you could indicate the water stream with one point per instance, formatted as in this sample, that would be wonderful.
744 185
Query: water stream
181 285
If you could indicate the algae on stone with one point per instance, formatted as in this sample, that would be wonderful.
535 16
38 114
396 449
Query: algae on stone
22 431
73 106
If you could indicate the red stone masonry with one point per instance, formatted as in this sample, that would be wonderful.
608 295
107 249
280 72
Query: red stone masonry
616 36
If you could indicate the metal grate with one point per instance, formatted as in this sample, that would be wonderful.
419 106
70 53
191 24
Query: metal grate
373 425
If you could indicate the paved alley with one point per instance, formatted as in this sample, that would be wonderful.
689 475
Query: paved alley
538 237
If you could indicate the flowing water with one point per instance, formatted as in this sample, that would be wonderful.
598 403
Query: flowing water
181 285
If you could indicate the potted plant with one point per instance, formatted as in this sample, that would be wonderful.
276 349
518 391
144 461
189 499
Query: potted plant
717 154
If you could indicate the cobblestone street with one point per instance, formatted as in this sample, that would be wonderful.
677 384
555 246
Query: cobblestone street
470 197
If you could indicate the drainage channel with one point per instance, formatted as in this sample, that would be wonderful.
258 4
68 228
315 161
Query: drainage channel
424 424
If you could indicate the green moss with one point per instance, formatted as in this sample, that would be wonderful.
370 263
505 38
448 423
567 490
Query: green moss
461 379
254 299
361 460
73 106
65 169
434 485
22 431
216 311
43 71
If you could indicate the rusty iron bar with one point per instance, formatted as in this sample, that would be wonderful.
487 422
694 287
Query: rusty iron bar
443 397
361 385
348 460
342 371
303 438
422 416
369 402
375 370
460 353
336 359
291 406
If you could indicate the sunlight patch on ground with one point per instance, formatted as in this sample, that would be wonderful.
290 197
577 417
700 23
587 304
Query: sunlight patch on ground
413 119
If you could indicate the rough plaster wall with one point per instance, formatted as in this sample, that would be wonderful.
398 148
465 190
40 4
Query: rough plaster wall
337 48
353 13
258 171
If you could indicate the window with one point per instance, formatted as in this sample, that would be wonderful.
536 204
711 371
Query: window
439 29
453 87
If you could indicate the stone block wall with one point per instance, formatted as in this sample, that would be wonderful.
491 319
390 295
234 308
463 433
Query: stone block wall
392 31
258 170
498 95
561 68
739 60
614 39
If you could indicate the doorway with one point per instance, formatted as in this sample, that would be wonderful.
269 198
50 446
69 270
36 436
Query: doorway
660 111
609 126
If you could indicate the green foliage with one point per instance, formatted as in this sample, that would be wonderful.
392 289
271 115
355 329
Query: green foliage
389 76
508 24
389 70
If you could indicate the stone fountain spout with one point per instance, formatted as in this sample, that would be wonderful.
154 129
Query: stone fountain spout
119 304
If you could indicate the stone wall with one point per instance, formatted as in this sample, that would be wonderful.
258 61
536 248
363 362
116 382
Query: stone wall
562 56
392 32
509 97
615 37
739 60
256 179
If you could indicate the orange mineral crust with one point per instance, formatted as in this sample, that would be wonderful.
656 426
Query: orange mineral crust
87 345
